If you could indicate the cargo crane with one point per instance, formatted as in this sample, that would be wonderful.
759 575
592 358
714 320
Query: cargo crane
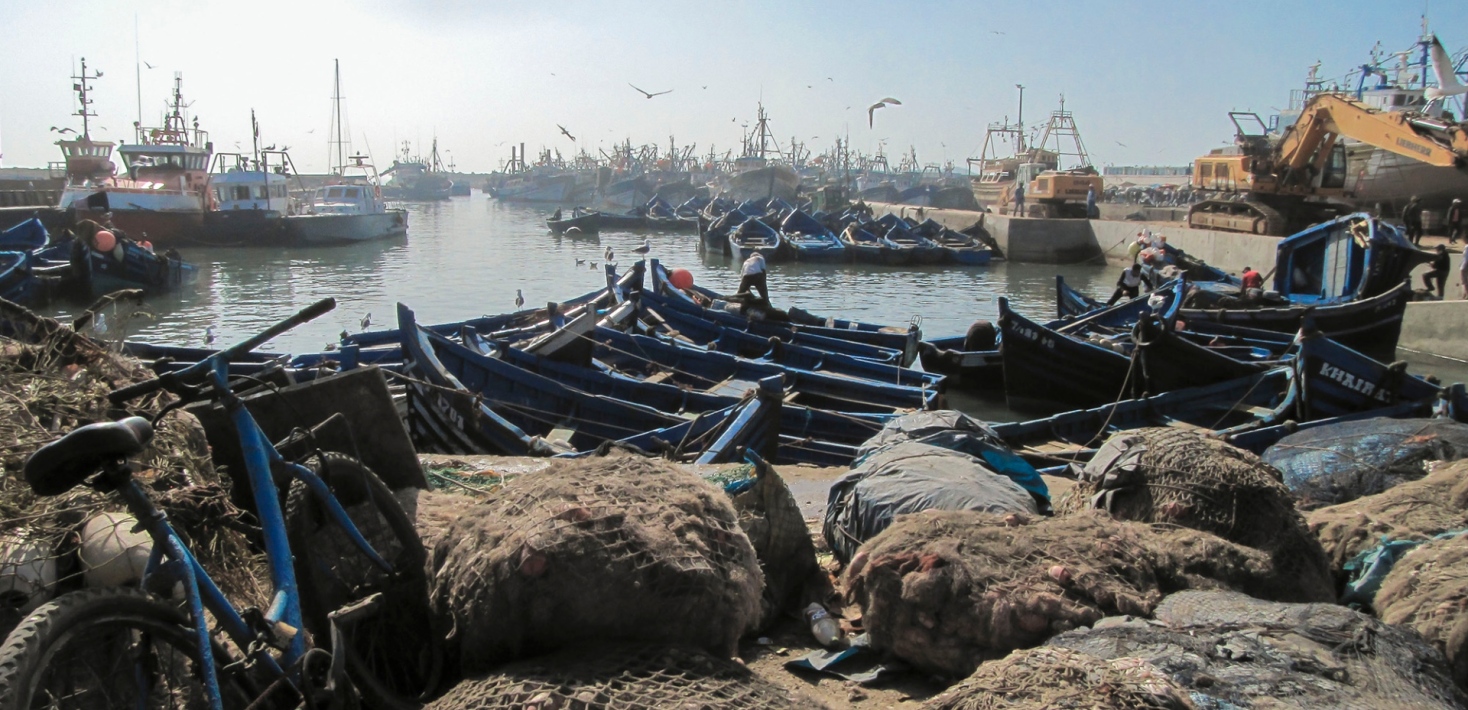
1283 185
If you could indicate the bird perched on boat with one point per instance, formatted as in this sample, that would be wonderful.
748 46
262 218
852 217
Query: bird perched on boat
1447 79
520 297
645 248
649 95
209 335
344 334
872 110
607 255
366 321
565 132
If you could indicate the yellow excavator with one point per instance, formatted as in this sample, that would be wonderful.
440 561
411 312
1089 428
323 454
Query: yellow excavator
1283 185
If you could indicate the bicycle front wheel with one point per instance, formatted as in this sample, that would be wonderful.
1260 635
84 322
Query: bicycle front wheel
108 648
394 657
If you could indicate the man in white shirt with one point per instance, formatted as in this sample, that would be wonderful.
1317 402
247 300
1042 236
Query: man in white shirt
754 276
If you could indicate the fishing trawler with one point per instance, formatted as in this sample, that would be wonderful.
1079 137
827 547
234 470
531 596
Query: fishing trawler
417 179
756 176
165 194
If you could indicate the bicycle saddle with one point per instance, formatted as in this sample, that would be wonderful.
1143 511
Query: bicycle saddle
63 464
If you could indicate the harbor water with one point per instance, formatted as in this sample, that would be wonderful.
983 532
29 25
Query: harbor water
467 257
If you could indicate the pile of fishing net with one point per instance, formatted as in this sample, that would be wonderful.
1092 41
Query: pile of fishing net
1427 591
54 380
614 548
1044 678
1181 477
946 590
1416 510
1337 463
771 518
1233 651
910 477
951 429
618 677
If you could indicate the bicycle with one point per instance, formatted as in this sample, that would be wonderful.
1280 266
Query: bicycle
365 600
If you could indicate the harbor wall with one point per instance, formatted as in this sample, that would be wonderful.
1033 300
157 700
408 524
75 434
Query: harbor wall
1070 241
1435 328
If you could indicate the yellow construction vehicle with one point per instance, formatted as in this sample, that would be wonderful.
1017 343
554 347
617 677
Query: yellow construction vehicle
1280 186
1052 193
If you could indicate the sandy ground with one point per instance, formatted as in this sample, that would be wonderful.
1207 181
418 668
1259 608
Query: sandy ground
765 654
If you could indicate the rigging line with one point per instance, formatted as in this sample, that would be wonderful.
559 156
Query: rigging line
525 410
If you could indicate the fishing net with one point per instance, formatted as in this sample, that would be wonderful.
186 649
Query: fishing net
911 477
1415 510
1233 651
53 380
1336 463
620 547
771 518
950 429
945 590
620 678
1428 591
1045 677
1181 477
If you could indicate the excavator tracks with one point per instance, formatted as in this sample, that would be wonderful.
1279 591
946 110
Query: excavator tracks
1247 216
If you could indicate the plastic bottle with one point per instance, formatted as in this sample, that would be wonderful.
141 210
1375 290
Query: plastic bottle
826 630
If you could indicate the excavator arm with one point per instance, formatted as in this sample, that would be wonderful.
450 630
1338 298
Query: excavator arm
1329 117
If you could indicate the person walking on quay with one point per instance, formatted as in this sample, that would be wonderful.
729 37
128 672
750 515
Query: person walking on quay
1412 219
1439 272
1455 222
754 276
1019 199
1092 211
1130 284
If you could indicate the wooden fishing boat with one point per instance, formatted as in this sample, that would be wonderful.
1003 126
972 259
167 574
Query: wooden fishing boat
866 247
1049 370
809 240
16 280
1239 405
753 235
1337 380
581 222
901 237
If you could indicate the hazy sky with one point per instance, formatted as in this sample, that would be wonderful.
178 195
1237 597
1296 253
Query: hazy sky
1149 82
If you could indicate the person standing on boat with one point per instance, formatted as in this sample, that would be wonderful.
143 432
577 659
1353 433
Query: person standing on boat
1439 272
1455 222
754 276
1251 279
1412 220
1019 199
1135 249
1130 284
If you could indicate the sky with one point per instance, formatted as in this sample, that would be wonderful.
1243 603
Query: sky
1149 83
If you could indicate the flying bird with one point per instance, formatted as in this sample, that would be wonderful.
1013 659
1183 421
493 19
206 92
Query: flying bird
705 86
519 298
63 130
645 248
565 132
366 321
1121 144
1447 79
995 32
311 131
830 79
150 66
644 93
871 110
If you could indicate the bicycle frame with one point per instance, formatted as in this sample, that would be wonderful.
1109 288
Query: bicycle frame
171 557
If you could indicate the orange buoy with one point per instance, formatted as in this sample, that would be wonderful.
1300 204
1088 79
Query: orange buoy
681 279
104 240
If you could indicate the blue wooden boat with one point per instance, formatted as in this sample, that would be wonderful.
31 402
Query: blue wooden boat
867 247
753 235
901 237
26 236
716 235
578 223
1239 405
1337 380
808 240
682 327
1048 370
1257 440
16 280
128 265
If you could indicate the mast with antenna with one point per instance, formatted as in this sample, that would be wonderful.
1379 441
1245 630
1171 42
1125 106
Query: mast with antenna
138 79
82 88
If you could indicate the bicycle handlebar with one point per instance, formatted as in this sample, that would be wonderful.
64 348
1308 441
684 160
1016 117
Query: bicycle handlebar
173 380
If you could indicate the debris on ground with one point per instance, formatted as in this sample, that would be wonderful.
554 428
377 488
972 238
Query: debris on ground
1232 651
621 677
1180 477
620 547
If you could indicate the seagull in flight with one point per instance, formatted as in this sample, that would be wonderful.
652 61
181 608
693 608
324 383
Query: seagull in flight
1447 79
519 298
644 93
872 110
150 66
565 132
995 32
63 130
1121 144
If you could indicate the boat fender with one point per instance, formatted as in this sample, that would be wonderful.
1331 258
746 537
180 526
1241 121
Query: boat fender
982 335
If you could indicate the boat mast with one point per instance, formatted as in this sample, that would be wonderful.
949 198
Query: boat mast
335 135
138 68
82 87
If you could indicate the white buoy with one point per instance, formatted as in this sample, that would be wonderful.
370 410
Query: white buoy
112 555
27 574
